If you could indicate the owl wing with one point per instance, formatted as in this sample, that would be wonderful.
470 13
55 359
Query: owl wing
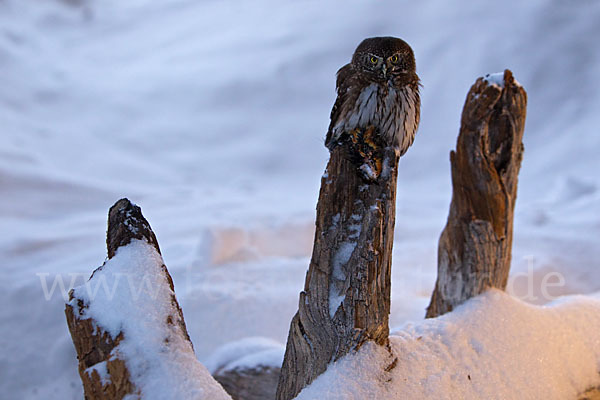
343 83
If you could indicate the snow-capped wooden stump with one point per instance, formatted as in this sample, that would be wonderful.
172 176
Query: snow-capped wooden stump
127 326
346 296
474 251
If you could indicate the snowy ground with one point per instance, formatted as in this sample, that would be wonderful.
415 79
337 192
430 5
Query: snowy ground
464 355
210 115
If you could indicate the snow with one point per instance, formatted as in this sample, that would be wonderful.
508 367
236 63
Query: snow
340 259
368 171
492 347
247 353
337 292
130 294
335 300
211 116
101 370
495 79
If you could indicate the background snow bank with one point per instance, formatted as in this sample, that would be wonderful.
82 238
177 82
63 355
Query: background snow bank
211 115
131 294
492 347
247 353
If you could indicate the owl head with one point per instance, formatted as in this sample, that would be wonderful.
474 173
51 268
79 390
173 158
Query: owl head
381 59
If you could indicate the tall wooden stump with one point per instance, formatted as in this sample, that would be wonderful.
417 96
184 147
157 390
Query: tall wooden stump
474 250
346 297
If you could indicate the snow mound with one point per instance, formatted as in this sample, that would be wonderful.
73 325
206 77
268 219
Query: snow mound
492 347
247 353
227 244
131 294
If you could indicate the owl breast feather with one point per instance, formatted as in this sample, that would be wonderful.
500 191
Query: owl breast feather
393 112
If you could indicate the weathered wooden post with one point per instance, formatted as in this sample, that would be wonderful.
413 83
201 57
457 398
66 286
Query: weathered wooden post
127 326
94 346
474 250
346 297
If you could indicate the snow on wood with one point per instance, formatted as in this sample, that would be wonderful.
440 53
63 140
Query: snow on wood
498 79
495 79
127 326
494 346
346 297
106 97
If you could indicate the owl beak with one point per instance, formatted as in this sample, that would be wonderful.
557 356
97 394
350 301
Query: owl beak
384 69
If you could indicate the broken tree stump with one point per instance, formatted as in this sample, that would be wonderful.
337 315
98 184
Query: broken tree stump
249 368
474 250
346 297
255 383
127 326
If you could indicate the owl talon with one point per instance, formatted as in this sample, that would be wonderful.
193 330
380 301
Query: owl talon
377 104
368 173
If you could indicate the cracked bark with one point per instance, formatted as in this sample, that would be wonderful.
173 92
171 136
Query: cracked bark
474 250
346 297
92 343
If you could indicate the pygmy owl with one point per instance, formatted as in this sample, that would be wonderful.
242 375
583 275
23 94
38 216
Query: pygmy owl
378 92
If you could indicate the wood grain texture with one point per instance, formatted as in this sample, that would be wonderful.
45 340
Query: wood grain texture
92 343
474 251
350 267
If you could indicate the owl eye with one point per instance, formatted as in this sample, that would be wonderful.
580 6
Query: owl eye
373 60
394 59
